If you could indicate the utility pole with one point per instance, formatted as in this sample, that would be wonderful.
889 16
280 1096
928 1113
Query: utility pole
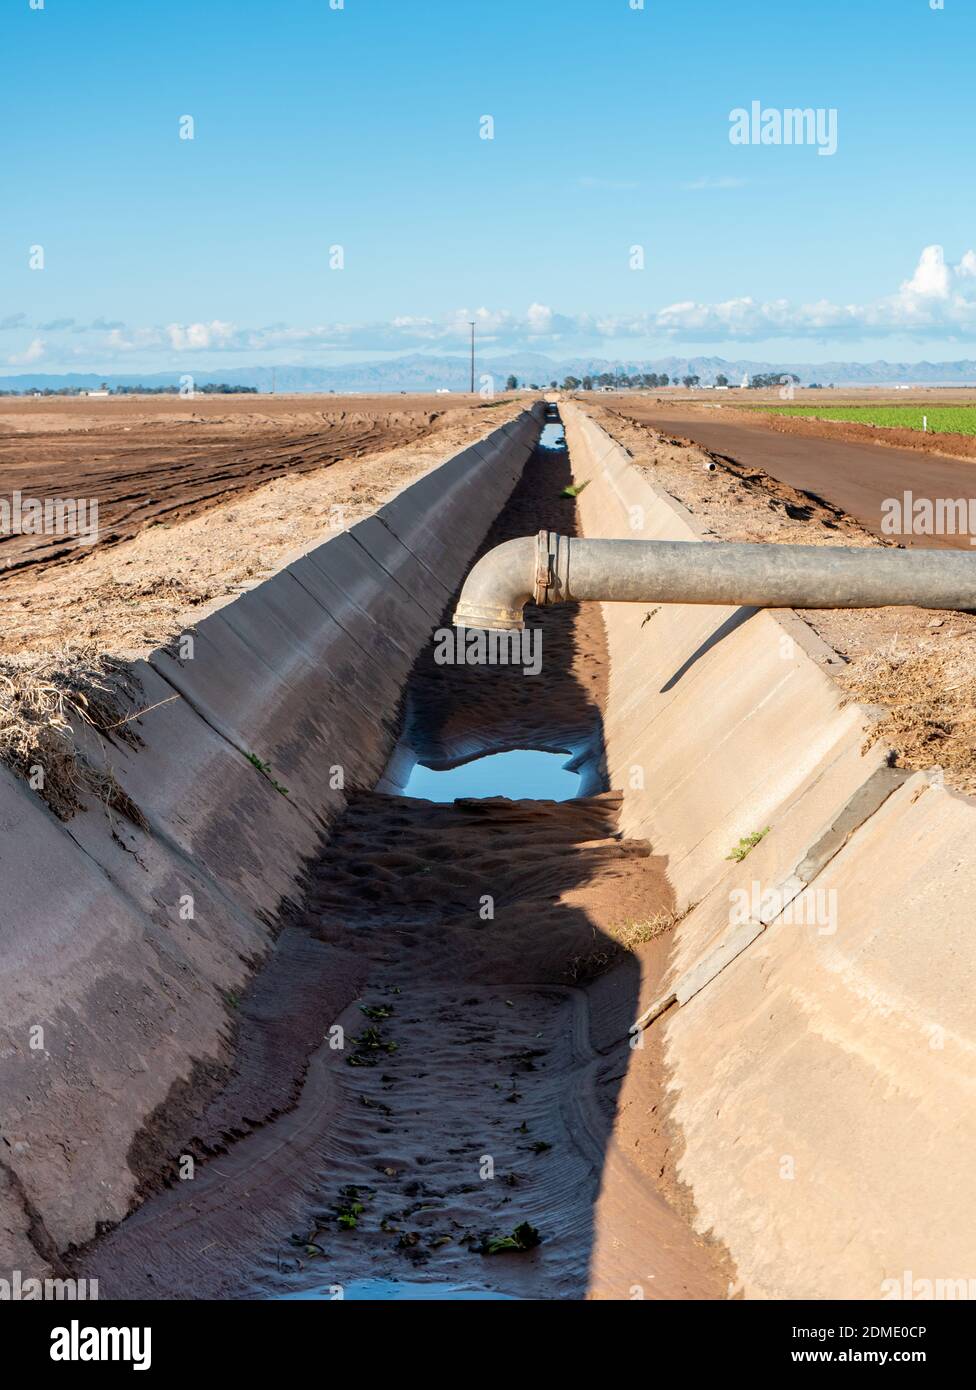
472 356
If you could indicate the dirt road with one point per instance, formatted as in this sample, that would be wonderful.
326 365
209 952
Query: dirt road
854 477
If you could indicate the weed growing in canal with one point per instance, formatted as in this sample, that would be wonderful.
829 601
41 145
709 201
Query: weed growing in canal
623 937
350 1208
638 933
574 489
524 1237
747 844
369 1046
265 770
583 969
377 1012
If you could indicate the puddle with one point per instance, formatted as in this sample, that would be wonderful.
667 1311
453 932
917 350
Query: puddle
552 437
520 774
393 1291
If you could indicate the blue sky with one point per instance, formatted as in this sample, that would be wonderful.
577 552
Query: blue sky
360 127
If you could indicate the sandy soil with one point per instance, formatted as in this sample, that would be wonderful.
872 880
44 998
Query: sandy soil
131 596
919 664
498 1087
161 459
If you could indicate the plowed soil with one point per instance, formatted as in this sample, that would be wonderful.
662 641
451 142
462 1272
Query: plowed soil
164 459
128 596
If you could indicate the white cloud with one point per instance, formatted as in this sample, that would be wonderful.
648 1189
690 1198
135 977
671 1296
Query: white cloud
937 299
193 337
932 278
32 353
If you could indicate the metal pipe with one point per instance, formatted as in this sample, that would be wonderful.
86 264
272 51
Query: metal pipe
549 568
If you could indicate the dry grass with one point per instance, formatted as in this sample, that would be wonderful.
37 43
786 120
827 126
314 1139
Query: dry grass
631 934
45 702
929 690
620 939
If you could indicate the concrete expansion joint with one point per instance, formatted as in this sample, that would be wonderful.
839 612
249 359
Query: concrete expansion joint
315 822
856 812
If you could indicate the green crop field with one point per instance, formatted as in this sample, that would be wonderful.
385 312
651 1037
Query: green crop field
942 419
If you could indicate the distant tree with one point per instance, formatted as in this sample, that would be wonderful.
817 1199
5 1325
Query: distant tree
571 383
764 380
690 381
664 379
511 383
604 379
587 383
553 384
721 380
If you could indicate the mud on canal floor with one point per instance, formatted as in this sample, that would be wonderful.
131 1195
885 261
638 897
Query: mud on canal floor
484 960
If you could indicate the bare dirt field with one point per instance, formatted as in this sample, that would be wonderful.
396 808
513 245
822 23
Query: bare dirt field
919 664
151 460
196 530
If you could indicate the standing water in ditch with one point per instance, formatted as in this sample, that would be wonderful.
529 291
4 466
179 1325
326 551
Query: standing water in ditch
446 1099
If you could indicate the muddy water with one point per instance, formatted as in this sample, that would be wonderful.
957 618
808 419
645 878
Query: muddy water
461 959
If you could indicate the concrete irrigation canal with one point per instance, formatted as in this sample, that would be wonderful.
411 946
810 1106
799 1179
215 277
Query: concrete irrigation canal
604 959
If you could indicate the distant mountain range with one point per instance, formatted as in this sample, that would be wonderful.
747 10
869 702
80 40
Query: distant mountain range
421 372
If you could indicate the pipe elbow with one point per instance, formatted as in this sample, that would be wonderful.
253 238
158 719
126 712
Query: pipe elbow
498 588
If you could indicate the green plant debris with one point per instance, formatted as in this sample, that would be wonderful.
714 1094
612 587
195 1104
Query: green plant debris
377 1012
265 770
747 844
369 1048
349 1209
524 1237
574 489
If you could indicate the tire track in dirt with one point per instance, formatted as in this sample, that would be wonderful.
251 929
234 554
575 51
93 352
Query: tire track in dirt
151 473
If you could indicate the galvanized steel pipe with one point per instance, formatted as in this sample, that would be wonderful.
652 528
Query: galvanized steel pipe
549 568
